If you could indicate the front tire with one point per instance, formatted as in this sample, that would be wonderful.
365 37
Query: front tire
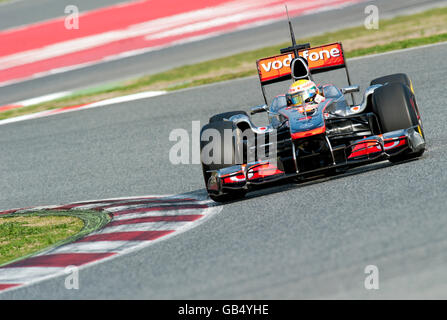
226 145
395 108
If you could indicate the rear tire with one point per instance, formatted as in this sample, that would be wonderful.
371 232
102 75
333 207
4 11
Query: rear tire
395 110
228 146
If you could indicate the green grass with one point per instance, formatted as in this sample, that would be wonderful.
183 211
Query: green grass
23 235
397 33
404 44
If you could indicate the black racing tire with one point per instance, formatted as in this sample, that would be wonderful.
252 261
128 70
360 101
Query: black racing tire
226 145
394 78
225 115
393 106
400 78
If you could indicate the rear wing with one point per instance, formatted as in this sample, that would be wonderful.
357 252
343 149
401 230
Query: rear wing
319 59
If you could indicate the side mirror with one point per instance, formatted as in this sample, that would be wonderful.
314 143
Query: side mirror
258 109
350 89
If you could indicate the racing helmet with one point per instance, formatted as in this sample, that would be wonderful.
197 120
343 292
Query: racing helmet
301 92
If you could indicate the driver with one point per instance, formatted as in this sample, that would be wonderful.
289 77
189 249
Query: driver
303 92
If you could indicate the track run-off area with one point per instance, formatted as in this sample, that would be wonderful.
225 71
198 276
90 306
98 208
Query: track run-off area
66 60
129 29
308 240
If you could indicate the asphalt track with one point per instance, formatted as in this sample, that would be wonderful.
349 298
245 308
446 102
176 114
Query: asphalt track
310 240
160 60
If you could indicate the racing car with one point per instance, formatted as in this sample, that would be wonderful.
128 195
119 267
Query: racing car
324 137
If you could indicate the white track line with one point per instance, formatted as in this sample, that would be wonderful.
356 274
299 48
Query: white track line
155 213
45 98
98 247
138 206
126 98
26 274
145 226
91 206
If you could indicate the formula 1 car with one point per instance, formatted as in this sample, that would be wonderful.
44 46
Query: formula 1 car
328 138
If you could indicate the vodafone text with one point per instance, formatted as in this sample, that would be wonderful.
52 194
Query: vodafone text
277 64
321 55
312 56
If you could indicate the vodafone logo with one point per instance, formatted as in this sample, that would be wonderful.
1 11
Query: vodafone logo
312 56
320 55
327 56
277 64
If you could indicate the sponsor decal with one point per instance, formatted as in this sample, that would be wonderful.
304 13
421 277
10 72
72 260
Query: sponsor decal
330 55
275 67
